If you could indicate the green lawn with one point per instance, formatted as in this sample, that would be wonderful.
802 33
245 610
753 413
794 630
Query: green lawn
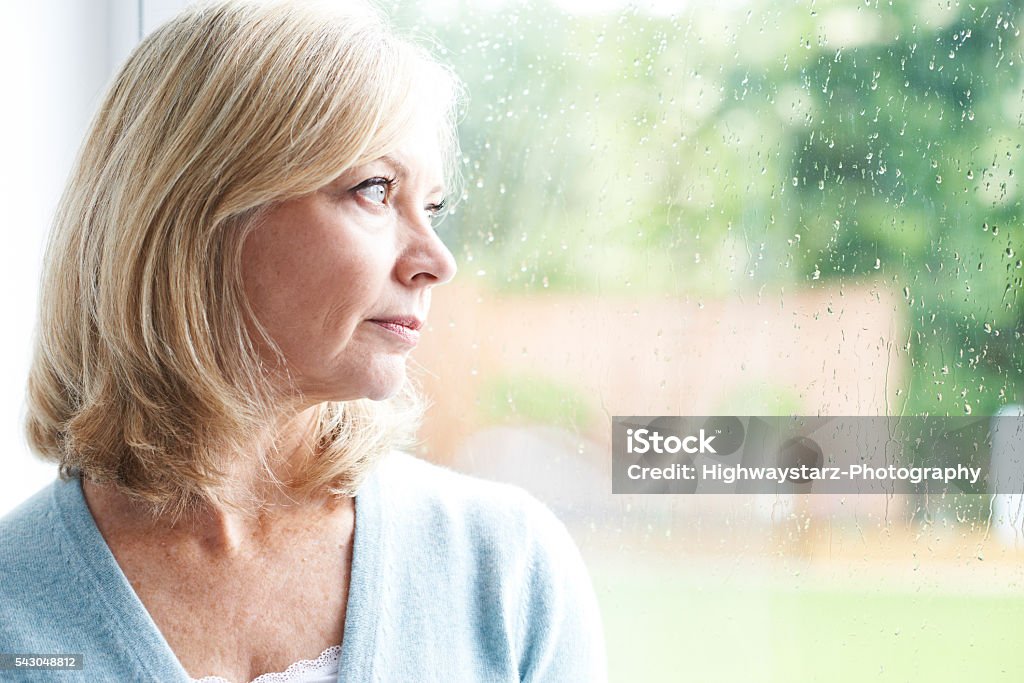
695 626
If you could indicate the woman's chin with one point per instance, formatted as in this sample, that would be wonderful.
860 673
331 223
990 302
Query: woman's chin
383 384
384 393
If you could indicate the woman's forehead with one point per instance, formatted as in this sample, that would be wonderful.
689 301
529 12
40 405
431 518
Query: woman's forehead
417 156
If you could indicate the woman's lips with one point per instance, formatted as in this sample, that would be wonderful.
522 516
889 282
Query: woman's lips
403 330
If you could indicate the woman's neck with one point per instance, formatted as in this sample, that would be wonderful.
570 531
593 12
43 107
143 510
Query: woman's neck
264 510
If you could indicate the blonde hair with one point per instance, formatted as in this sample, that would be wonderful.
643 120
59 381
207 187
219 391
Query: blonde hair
145 373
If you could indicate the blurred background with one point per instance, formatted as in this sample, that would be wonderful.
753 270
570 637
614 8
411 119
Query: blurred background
698 208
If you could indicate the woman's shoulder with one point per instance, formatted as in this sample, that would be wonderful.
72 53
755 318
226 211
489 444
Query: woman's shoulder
499 559
452 501
29 527
34 554
486 533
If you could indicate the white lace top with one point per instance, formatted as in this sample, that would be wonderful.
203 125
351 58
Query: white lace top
323 669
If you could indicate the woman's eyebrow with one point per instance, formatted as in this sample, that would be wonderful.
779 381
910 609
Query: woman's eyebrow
403 170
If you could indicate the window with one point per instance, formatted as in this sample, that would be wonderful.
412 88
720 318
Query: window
740 207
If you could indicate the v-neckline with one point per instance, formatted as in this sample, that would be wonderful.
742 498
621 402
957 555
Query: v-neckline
127 622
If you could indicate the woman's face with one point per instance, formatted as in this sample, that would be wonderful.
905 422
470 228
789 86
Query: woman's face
341 278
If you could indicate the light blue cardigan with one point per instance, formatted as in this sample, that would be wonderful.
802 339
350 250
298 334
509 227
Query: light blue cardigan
453 579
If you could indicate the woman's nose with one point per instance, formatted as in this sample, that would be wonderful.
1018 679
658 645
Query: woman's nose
425 260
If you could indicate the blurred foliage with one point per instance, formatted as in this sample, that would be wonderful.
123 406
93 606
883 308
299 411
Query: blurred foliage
738 144
534 399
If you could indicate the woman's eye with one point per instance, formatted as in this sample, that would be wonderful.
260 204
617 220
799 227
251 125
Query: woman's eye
436 211
375 190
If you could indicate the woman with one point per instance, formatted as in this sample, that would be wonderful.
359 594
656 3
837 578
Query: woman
240 265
